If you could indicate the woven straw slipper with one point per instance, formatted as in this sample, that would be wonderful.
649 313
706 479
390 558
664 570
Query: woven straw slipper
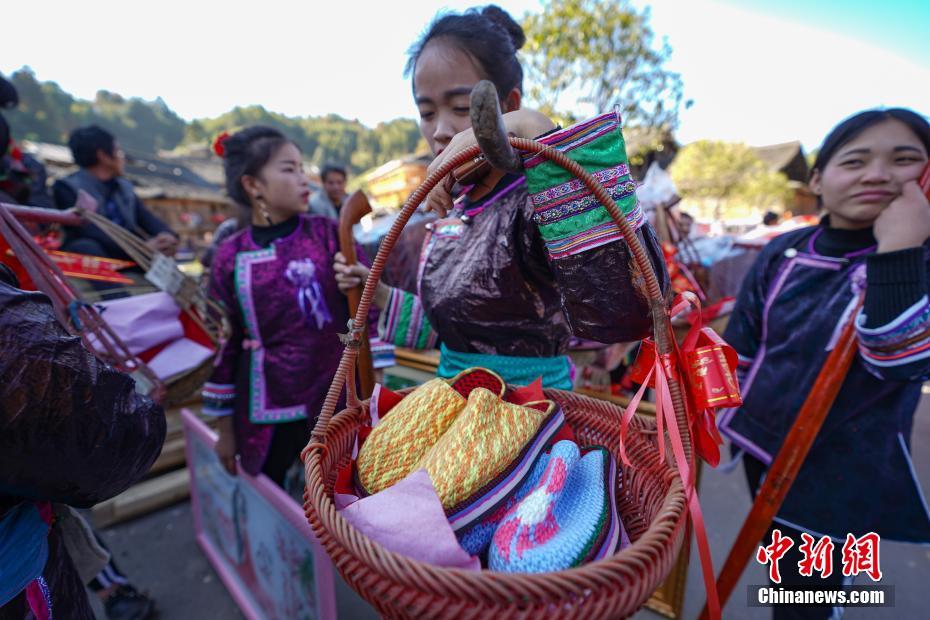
399 442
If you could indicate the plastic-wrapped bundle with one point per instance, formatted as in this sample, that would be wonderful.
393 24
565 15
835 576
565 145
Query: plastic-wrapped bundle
72 429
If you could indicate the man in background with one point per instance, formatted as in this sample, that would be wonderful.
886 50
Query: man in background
329 199
102 162
685 225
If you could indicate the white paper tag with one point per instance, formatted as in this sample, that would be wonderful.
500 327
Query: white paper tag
165 274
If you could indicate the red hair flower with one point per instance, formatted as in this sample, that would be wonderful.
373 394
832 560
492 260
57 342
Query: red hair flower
15 153
218 144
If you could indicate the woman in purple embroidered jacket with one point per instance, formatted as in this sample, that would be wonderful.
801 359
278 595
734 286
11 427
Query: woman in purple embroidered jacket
275 279
858 476
520 262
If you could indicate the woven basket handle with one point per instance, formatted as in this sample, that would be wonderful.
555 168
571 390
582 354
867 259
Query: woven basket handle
490 133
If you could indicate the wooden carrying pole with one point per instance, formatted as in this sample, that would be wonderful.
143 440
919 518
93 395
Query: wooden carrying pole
45 216
352 211
781 475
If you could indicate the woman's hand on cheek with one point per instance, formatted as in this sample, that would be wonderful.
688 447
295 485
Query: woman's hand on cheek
905 223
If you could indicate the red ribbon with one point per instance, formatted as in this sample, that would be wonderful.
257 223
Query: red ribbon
706 367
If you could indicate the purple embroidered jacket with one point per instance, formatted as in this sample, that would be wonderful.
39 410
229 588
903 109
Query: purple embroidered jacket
286 314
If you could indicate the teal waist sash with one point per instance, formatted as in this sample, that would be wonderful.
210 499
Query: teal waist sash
556 372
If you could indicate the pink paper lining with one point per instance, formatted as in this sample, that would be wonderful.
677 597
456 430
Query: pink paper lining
408 518
144 321
179 356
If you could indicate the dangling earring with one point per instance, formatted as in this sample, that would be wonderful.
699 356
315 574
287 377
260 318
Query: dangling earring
263 209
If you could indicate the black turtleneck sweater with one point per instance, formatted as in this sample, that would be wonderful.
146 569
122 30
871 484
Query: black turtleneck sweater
896 280
263 236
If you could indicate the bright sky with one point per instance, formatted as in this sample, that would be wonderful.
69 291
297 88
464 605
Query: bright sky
758 71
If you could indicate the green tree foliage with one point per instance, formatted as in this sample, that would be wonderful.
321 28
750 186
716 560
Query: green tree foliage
47 113
729 173
603 50
324 139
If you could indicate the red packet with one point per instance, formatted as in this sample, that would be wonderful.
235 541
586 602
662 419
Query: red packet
711 372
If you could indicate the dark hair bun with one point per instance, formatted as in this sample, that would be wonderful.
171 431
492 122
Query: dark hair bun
489 35
502 18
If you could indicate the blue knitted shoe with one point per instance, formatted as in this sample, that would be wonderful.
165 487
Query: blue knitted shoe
568 519
476 537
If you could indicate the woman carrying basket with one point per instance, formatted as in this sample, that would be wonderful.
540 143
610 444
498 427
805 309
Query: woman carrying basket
517 263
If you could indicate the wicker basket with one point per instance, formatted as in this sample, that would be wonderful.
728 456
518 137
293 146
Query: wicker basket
206 314
650 497
650 502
